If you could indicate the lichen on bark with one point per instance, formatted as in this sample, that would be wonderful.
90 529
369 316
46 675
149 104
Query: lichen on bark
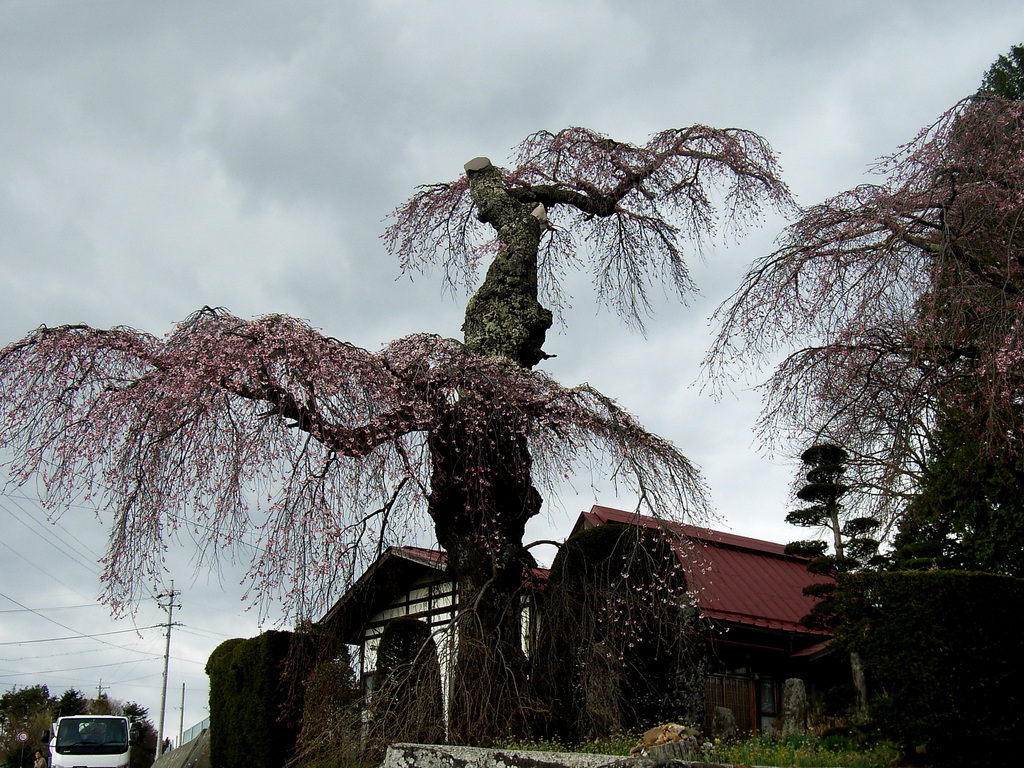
504 317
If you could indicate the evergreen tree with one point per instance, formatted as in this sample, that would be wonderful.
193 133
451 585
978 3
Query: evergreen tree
104 705
143 735
24 710
853 545
71 702
968 514
852 538
1005 78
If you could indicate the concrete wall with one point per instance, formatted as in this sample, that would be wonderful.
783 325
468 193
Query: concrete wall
441 756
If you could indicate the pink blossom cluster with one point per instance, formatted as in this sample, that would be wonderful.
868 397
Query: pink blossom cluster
625 210
889 302
232 429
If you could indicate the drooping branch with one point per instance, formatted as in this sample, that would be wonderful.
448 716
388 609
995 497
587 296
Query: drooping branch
890 299
229 428
626 210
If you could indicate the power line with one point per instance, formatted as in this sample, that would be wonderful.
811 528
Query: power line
204 633
59 608
79 637
65 626
50 536
39 568
73 669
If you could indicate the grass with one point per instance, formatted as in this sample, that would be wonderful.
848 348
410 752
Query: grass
806 752
791 752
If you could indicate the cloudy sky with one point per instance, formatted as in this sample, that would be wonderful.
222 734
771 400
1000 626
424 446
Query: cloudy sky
156 157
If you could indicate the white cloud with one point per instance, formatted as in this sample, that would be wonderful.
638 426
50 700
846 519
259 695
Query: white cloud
162 156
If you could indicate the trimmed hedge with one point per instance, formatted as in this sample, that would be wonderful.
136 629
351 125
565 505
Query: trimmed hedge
408 703
618 647
254 707
943 652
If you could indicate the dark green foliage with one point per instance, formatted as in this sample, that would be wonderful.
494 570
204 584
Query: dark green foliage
809 517
407 702
1005 78
331 717
821 589
143 735
859 526
19 704
619 647
824 465
71 702
969 512
102 705
822 493
828 459
853 547
943 661
830 565
859 550
810 549
253 704
28 709
839 701
331 695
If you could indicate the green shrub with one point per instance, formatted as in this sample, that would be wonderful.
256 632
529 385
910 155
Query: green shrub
254 706
803 752
943 657
331 718
407 702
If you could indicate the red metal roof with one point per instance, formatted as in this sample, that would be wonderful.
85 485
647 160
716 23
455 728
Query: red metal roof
430 557
735 578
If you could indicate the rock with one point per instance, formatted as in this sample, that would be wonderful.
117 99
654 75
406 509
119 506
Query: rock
723 723
794 708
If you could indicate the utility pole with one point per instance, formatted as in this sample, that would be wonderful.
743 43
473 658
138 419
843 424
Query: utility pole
169 606
181 717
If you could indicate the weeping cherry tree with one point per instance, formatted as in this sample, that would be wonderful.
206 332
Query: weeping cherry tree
229 426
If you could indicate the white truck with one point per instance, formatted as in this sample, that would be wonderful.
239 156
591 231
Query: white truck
90 741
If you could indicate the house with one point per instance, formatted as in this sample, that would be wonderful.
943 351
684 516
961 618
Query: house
403 582
749 592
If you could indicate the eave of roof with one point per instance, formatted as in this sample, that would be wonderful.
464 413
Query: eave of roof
389 576
380 583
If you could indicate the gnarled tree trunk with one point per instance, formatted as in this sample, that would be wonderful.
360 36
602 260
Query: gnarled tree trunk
480 502
481 493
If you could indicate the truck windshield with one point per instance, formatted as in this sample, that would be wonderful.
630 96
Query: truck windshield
92 736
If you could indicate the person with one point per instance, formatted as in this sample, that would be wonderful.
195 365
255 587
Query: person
40 761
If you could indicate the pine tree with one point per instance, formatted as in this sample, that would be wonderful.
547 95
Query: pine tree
852 542
1005 78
